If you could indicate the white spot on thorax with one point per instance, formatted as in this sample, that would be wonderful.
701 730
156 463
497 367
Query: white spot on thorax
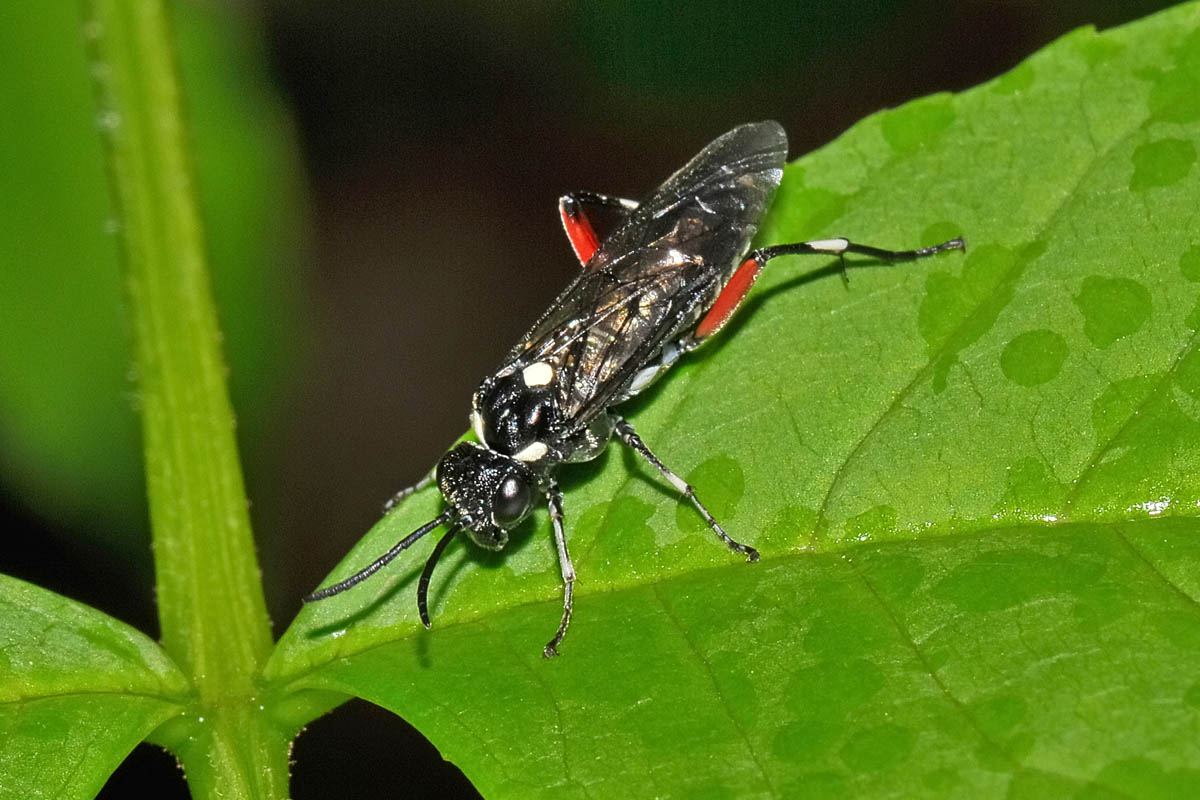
538 373
532 452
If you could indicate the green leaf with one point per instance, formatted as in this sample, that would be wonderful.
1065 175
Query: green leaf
78 690
974 482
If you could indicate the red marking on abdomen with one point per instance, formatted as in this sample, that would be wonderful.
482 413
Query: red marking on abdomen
729 299
579 232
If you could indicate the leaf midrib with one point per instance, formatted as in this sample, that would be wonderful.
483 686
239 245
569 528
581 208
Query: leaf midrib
283 684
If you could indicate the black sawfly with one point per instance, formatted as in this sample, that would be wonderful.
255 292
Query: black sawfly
670 275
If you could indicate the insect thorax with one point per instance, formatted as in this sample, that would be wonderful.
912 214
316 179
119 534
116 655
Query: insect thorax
517 413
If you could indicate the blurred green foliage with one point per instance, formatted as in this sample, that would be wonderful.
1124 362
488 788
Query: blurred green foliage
69 442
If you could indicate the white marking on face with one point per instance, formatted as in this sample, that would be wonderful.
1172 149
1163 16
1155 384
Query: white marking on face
829 245
539 373
532 452
477 425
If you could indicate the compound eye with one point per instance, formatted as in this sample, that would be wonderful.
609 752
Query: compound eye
511 501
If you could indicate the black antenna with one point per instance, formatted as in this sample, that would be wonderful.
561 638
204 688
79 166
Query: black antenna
427 574
448 515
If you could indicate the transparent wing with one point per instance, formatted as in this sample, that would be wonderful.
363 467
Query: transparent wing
654 275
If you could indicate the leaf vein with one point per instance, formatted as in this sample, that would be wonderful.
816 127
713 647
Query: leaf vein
704 663
942 350
1150 565
911 643
1104 449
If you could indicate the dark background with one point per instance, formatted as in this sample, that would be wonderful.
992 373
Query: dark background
435 141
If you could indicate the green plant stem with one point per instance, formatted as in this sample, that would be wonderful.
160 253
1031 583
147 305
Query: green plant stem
211 607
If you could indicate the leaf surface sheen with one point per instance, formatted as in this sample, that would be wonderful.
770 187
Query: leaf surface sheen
974 480
78 690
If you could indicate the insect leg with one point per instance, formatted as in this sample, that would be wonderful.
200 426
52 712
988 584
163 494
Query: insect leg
625 431
596 199
743 277
404 493
554 502
427 574
580 233
838 247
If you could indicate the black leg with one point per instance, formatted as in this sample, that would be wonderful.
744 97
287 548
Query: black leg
569 202
580 233
839 247
625 431
554 502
